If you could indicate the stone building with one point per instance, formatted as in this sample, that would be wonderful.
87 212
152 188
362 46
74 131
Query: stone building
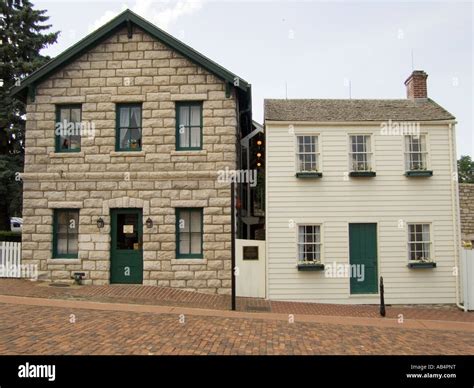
466 202
126 133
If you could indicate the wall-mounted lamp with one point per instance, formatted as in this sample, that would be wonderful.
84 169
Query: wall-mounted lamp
149 223
100 223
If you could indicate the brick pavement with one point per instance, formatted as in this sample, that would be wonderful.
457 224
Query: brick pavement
27 329
162 296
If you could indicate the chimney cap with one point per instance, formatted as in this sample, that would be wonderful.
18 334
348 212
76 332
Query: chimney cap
416 73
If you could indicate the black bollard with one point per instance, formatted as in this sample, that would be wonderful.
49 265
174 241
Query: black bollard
382 301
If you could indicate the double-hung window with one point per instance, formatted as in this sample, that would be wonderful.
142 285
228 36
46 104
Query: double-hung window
189 233
129 127
68 128
309 244
189 125
415 153
419 242
65 233
360 155
307 154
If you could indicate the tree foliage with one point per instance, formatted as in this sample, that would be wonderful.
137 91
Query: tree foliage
23 34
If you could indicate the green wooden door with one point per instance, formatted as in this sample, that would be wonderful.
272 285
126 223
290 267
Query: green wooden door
363 258
126 254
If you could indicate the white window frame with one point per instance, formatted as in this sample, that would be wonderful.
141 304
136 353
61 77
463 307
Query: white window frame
369 154
318 243
424 154
430 257
316 153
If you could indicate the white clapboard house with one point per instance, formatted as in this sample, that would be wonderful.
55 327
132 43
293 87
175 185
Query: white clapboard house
357 190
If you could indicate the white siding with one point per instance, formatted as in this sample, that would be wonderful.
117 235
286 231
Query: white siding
334 202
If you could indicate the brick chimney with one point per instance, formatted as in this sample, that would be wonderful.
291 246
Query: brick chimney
416 85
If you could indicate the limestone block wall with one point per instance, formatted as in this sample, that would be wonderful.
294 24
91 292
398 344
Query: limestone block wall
157 179
466 202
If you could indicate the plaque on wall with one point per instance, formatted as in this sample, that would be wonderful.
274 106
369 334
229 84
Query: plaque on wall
250 253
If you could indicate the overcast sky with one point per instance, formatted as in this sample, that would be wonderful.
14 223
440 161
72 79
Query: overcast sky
311 49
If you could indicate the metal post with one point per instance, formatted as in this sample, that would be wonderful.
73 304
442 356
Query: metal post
382 301
232 231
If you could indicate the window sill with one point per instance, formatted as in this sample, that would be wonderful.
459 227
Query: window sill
188 260
311 267
310 175
68 154
128 153
362 174
187 152
420 173
420 264
62 260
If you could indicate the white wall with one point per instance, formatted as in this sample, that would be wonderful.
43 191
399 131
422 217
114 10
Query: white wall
250 279
334 202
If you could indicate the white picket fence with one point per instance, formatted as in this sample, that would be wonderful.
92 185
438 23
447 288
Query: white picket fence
467 280
10 259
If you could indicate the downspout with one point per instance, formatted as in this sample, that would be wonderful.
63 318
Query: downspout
456 213
232 257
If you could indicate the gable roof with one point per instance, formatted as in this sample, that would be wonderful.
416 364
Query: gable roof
126 18
354 110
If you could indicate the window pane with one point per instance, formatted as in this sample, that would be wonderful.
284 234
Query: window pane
136 138
64 143
353 144
65 114
195 137
75 115
124 138
61 242
184 221
124 116
301 234
426 250
135 118
184 115
196 221
426 232
75 142
62 221
366 143
300 144
73 221
196 243
183 137
195 115
66 232
73 245
422 143
184 243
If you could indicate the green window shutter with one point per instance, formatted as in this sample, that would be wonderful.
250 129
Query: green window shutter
189 233
128 127
68 128
189 126
65 233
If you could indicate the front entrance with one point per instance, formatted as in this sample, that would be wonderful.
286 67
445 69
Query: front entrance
126 253
363 258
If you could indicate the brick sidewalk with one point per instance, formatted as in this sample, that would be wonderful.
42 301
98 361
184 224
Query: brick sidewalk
160 296
27 329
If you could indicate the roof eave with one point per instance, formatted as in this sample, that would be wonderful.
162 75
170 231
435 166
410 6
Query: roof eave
103 32
361 122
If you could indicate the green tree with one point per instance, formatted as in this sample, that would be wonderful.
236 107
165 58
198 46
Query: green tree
22 36
466 169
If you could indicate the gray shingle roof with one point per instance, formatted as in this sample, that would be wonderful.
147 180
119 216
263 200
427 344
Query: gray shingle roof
354 110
